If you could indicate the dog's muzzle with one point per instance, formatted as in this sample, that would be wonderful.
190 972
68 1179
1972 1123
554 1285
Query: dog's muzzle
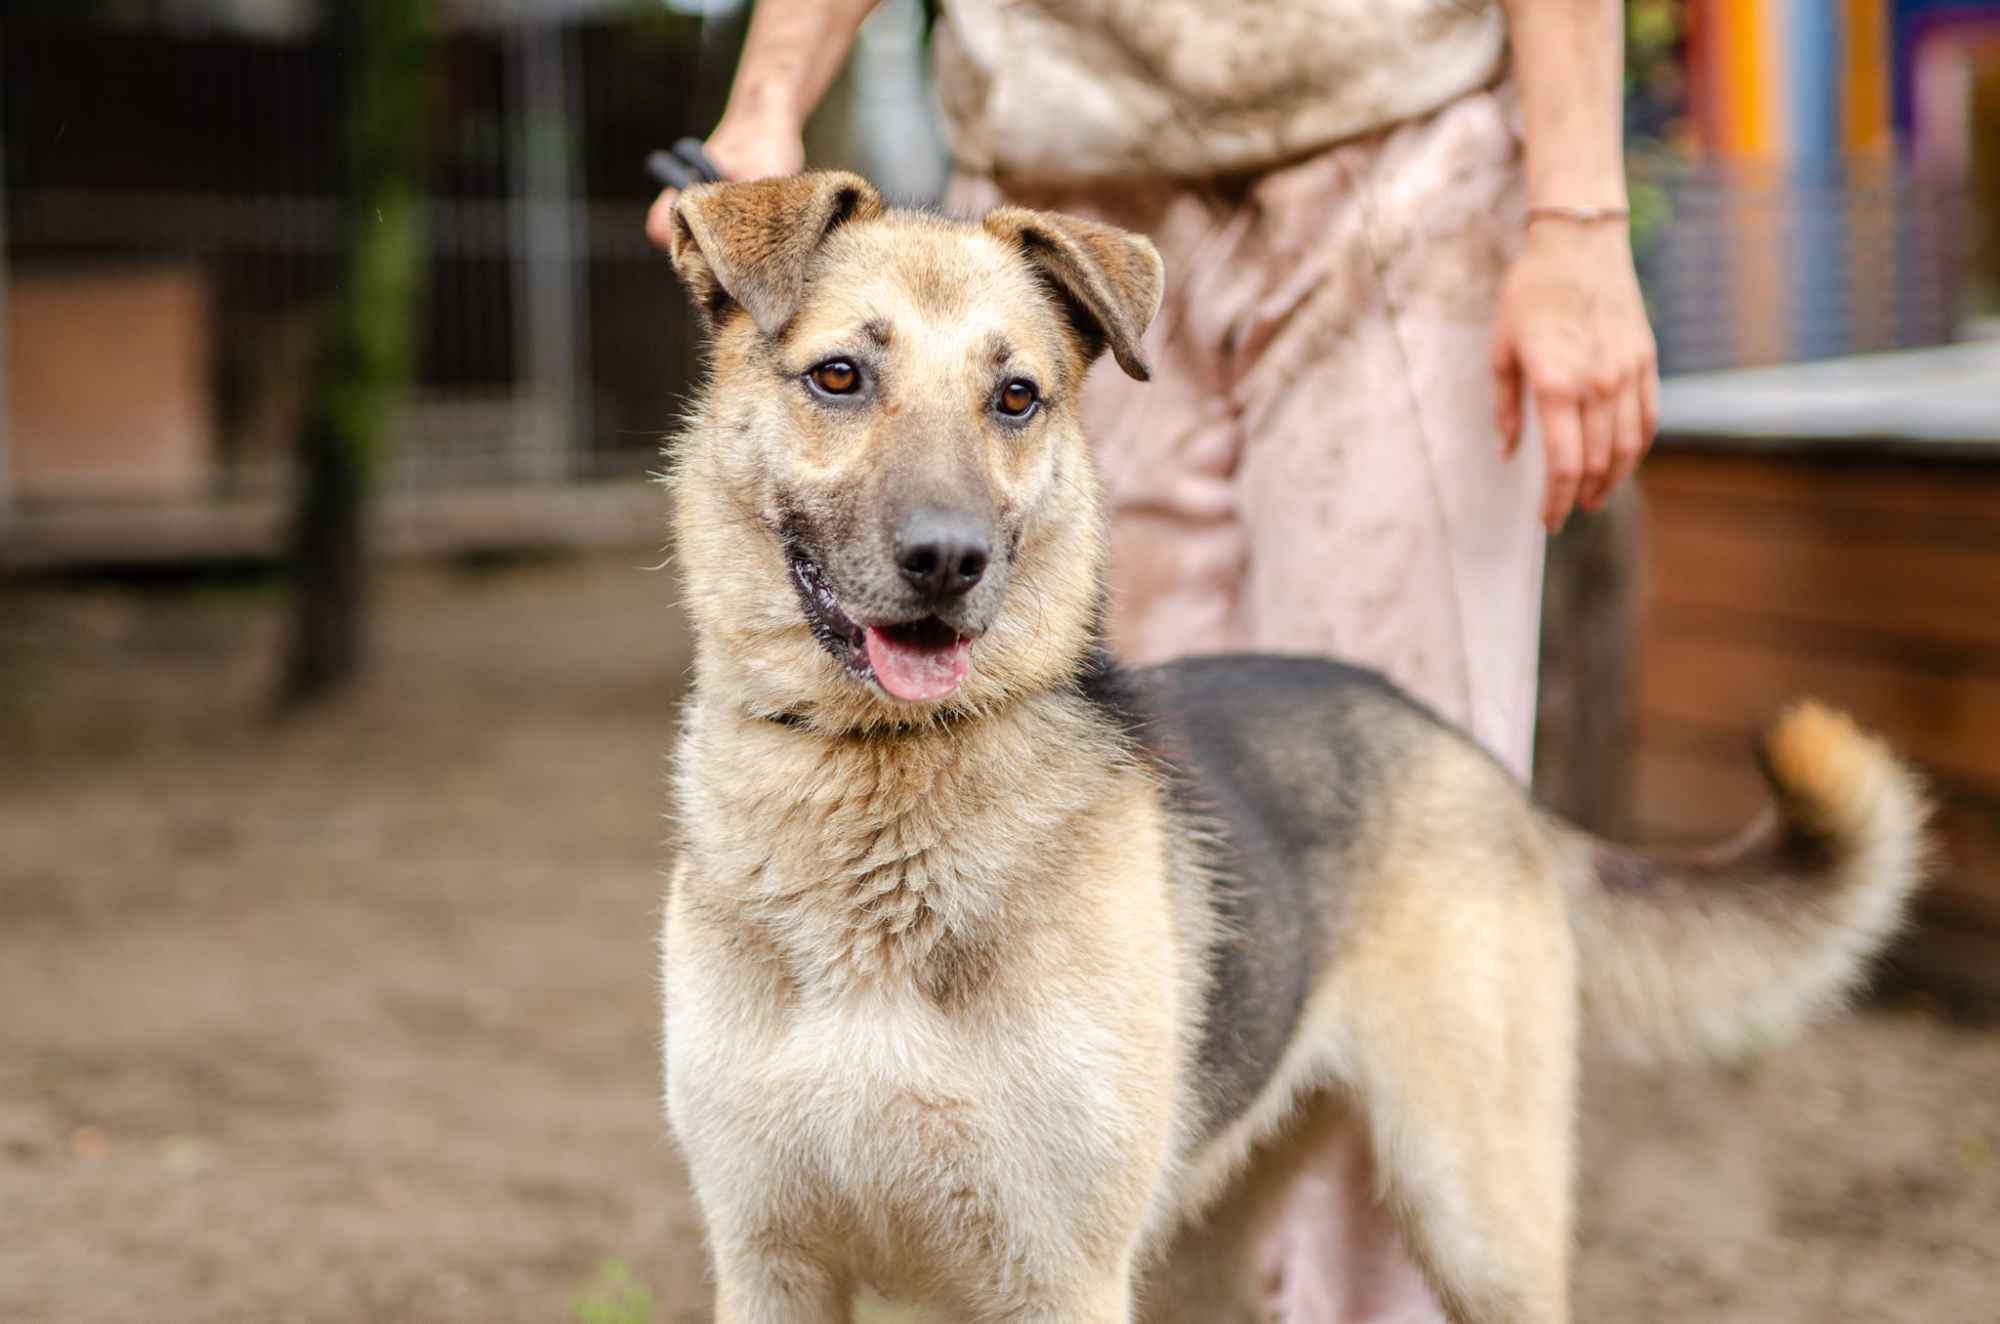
922 660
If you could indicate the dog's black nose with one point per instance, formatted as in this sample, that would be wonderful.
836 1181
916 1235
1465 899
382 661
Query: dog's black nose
942 553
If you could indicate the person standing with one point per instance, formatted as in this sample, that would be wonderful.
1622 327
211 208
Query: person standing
1402 340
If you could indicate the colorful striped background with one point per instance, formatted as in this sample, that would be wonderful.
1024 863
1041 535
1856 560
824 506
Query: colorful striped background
1816 81
1814 115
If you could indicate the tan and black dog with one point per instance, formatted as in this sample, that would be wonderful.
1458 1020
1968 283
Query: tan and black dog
1000 981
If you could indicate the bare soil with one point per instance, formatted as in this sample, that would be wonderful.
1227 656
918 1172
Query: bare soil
352 1016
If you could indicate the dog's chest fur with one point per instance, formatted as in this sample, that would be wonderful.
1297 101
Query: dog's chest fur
886 998
881 863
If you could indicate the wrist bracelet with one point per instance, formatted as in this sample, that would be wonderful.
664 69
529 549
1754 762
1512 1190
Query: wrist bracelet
1579 215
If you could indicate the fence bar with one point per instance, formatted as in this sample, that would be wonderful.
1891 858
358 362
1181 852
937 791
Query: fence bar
6 463
545 303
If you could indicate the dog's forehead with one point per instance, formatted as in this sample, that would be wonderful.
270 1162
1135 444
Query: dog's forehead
949 279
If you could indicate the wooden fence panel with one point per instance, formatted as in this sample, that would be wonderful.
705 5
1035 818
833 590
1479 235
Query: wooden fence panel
1870 583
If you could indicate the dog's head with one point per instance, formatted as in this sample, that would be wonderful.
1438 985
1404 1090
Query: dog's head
885 506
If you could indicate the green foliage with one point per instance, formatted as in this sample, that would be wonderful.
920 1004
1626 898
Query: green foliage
366 360
1654 90
615 1296
1652 27
1652 206
373 331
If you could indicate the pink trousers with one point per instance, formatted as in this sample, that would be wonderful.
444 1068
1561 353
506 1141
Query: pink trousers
1315 468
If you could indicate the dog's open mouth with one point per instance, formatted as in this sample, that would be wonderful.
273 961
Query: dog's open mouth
916 661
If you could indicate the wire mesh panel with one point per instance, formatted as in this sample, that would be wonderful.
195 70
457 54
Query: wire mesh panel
1769 265
552 343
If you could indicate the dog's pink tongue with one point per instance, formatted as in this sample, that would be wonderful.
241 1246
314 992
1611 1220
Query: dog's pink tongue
915 672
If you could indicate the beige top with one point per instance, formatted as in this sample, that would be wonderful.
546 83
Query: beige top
1068 89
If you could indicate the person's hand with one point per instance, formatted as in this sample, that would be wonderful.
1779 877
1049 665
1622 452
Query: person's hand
1572 336
740 150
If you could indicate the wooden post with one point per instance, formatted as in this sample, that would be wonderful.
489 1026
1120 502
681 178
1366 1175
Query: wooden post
365 363
1583 717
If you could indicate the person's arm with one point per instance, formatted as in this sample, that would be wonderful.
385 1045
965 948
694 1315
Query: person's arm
790 57
1572 332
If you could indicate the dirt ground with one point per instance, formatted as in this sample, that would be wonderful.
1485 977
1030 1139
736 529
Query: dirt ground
352 1017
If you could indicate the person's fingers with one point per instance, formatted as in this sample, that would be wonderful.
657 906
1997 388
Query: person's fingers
1628 438
1506 392
1600 425
1562 450
660 219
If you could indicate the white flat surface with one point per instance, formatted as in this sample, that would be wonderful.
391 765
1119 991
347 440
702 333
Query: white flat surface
1946 397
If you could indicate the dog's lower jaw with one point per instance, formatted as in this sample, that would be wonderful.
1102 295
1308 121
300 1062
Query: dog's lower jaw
831 626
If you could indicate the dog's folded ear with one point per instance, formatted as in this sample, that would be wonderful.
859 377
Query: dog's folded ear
1110 280
752 243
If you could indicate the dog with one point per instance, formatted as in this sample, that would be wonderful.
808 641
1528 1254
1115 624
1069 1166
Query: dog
1002 982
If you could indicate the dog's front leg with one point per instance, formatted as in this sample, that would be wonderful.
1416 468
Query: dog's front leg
1104 1299
763 1287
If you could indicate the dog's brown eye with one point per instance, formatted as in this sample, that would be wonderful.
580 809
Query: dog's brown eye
837 377
1017 398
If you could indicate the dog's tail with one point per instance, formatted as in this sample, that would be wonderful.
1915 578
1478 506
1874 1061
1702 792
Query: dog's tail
1718 954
